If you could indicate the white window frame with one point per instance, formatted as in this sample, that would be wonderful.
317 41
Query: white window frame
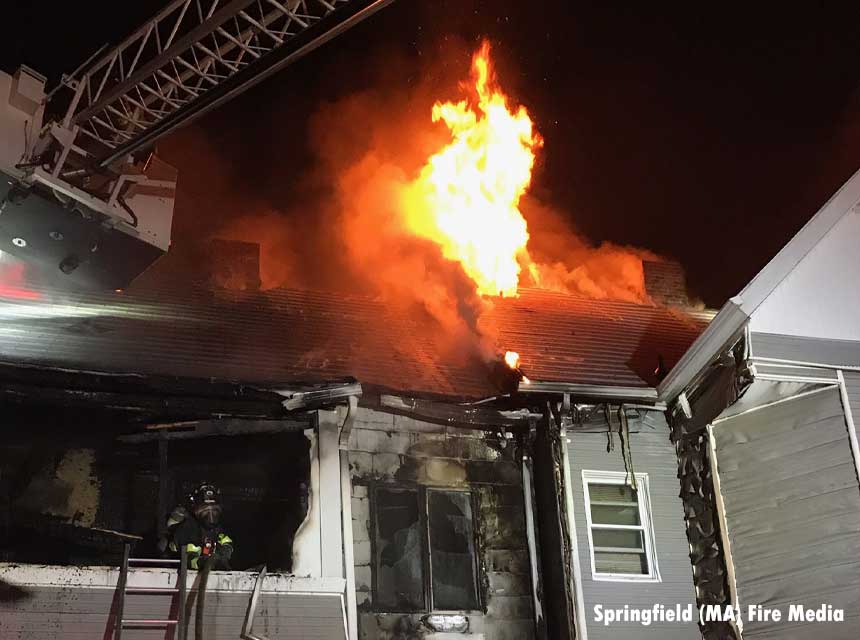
646 525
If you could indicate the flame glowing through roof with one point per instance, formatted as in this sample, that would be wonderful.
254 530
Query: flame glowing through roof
467 195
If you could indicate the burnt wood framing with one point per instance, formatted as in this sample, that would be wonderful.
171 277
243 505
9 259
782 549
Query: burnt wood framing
471 416
147 398
722 384
554 534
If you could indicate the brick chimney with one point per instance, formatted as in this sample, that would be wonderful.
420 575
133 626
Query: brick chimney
666 283
234 265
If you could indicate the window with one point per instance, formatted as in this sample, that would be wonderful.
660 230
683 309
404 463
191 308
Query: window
620 534
424 550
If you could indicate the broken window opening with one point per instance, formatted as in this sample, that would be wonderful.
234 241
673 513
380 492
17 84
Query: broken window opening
75 497
424 548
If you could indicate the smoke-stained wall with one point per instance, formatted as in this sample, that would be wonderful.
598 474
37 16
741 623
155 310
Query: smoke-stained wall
391 452
76 498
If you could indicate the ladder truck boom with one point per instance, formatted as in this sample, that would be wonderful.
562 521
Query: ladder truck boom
79 195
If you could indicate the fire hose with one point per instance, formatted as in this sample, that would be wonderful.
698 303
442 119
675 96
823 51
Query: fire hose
201 601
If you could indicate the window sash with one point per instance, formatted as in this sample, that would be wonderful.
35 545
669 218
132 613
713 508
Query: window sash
645 526
423 500
473 545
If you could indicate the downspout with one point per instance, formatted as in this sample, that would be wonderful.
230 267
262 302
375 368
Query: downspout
849 420
346 518
532 537
579 602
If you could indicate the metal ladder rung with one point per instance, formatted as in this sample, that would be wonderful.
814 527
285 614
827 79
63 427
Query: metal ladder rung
167 561
143 622
164 590
148 623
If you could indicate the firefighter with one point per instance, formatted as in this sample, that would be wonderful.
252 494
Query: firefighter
197 527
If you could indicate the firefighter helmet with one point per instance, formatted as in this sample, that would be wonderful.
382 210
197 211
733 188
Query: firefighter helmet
205 503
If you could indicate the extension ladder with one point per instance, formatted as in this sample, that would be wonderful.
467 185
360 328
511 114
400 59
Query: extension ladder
178 591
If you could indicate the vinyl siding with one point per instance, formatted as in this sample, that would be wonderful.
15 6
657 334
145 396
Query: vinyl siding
653 454
799 349
852 385
792 510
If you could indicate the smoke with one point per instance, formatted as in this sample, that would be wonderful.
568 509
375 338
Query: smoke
563 260
368 147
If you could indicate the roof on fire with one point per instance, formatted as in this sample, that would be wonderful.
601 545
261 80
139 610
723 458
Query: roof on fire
284 336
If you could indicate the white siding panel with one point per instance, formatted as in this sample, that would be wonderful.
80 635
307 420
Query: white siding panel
820 297
87 610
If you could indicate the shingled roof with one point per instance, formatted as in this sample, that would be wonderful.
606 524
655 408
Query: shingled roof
283 336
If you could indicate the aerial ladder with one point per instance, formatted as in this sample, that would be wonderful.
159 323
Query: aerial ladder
82 194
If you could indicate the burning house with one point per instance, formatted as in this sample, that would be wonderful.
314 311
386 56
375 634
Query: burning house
397 491
474 447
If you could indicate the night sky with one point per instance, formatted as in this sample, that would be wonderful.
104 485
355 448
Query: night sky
709 136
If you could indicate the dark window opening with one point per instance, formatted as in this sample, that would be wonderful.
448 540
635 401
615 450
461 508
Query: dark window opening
425 557
75 497
399 566
452 550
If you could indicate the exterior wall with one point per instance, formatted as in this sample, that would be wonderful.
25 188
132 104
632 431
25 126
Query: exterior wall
792 512
819 297
652 453
806 349
852 386
71 602
386 448
79 603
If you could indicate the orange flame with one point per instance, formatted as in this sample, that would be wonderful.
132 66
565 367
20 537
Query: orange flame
512 359
466 196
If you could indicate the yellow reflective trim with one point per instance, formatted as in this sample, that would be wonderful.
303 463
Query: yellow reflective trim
223 538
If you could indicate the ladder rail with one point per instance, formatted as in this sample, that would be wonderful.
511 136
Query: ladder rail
161 74
179 591
183 579
122 582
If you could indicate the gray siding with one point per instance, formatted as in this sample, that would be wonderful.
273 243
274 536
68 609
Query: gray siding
804 373
799 349
852 385
653 454
792 509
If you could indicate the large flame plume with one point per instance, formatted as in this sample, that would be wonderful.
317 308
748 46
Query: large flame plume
435 216
467 195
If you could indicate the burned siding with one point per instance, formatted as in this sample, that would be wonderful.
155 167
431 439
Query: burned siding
390 450
80 603
76 495
651 453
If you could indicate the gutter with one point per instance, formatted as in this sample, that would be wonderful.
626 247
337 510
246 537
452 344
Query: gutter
346 519
646 395
720 332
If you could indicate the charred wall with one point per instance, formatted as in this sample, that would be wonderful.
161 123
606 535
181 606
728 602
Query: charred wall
392 451
73 494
